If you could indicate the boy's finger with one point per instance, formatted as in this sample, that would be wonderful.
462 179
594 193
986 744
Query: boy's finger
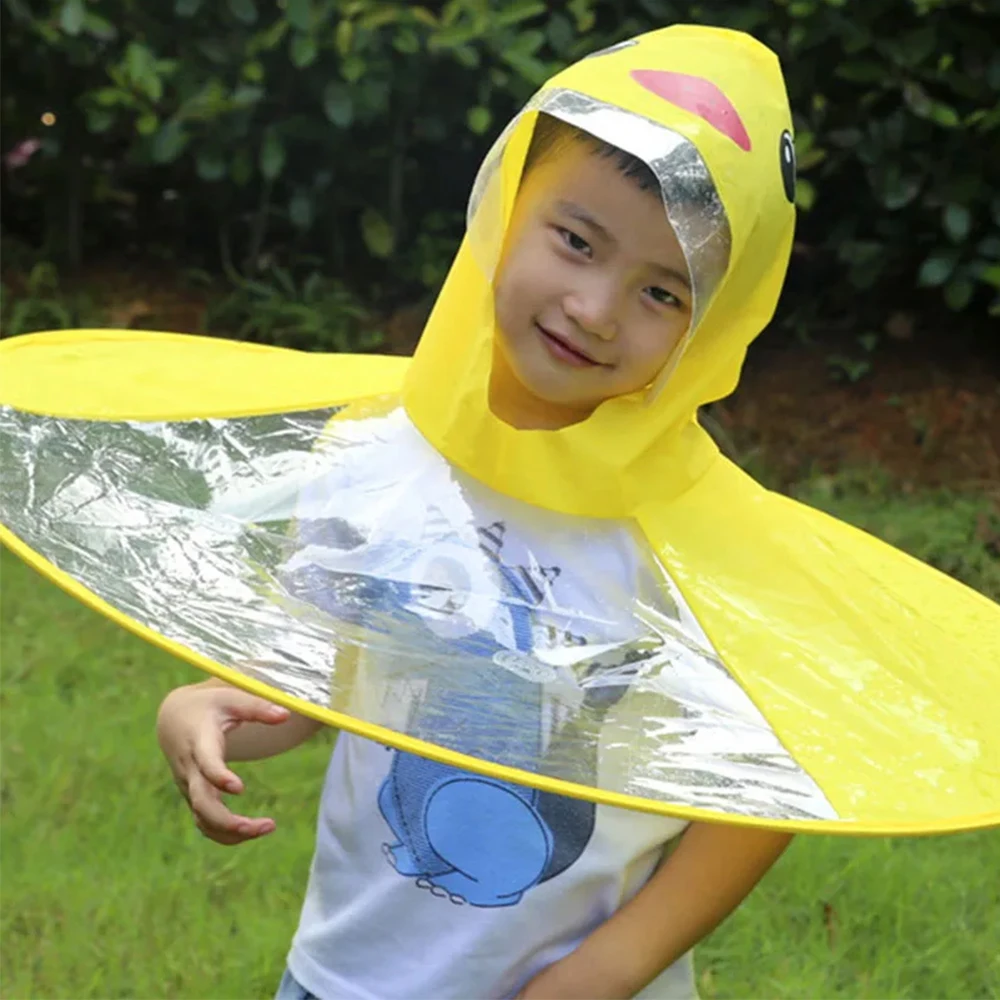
214 819
208 755
229 839
208 807
243 707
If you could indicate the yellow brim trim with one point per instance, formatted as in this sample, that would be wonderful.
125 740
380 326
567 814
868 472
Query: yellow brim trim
408 744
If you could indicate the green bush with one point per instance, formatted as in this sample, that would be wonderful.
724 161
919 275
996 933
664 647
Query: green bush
42 305
351 129
316 313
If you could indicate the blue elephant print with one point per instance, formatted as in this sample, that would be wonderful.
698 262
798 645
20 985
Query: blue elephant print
466 838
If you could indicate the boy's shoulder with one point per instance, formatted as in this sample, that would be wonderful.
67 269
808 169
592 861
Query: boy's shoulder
360 447
376 463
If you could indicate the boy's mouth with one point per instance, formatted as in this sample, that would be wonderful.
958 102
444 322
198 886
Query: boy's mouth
562 350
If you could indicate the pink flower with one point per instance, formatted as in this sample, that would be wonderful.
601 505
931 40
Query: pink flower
20 155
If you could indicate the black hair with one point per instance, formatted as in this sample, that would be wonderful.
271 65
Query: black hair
552 133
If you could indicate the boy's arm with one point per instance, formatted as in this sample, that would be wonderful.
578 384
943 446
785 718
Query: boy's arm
245 738
710 873
201 727
255 740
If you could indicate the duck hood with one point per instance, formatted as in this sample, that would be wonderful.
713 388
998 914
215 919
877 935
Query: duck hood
706 110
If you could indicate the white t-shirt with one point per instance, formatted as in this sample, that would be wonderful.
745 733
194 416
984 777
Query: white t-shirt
428 881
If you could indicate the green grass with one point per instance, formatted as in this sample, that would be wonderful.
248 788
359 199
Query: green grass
108 890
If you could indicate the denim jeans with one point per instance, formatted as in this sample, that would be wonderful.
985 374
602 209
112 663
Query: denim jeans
290 989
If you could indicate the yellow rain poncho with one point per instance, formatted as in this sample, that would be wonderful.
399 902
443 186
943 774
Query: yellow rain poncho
773 667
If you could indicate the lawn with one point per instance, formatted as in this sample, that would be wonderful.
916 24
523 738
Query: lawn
109 891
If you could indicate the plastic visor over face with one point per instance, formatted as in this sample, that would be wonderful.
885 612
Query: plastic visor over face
692 203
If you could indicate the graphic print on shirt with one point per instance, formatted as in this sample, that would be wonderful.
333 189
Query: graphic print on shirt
479 840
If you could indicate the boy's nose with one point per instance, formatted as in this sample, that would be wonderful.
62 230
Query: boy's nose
594 309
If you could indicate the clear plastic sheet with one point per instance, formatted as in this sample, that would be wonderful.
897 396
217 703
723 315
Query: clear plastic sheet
348 564
693 205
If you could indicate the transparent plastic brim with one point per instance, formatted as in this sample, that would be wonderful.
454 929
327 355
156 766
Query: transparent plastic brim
690 198
300 553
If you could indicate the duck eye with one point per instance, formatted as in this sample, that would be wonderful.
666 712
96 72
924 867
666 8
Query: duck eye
786 153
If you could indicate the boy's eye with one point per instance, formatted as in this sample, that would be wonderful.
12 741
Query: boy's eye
662 297
576 243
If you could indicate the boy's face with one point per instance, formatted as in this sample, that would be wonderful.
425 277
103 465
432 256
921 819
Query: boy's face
592 294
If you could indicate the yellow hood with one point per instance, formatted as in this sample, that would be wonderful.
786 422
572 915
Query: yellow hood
725 96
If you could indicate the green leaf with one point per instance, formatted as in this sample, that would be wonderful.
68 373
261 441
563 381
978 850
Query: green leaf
561 33
989 247
406 41
300 210
377 234
299 14
478 119
515 11
917 99
529 42
246 95
453 37
958 293
924 106
528 68
109 96
211 165
344 37
936 270
467 56
813 158
424 16
140 65
253 71
898 191
99 120
805 194
153 87
169 143
303 51
147 124
267 39
863 71
99 28
583 13
244 11
187 8
944 115
378 18
272 155
242 168
990 275
353 68
213 50
72 16
845 138
915 47
338 104
957 222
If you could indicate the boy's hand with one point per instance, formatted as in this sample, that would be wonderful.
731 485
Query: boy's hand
191 727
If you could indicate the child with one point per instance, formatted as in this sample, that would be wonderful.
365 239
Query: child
429 881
